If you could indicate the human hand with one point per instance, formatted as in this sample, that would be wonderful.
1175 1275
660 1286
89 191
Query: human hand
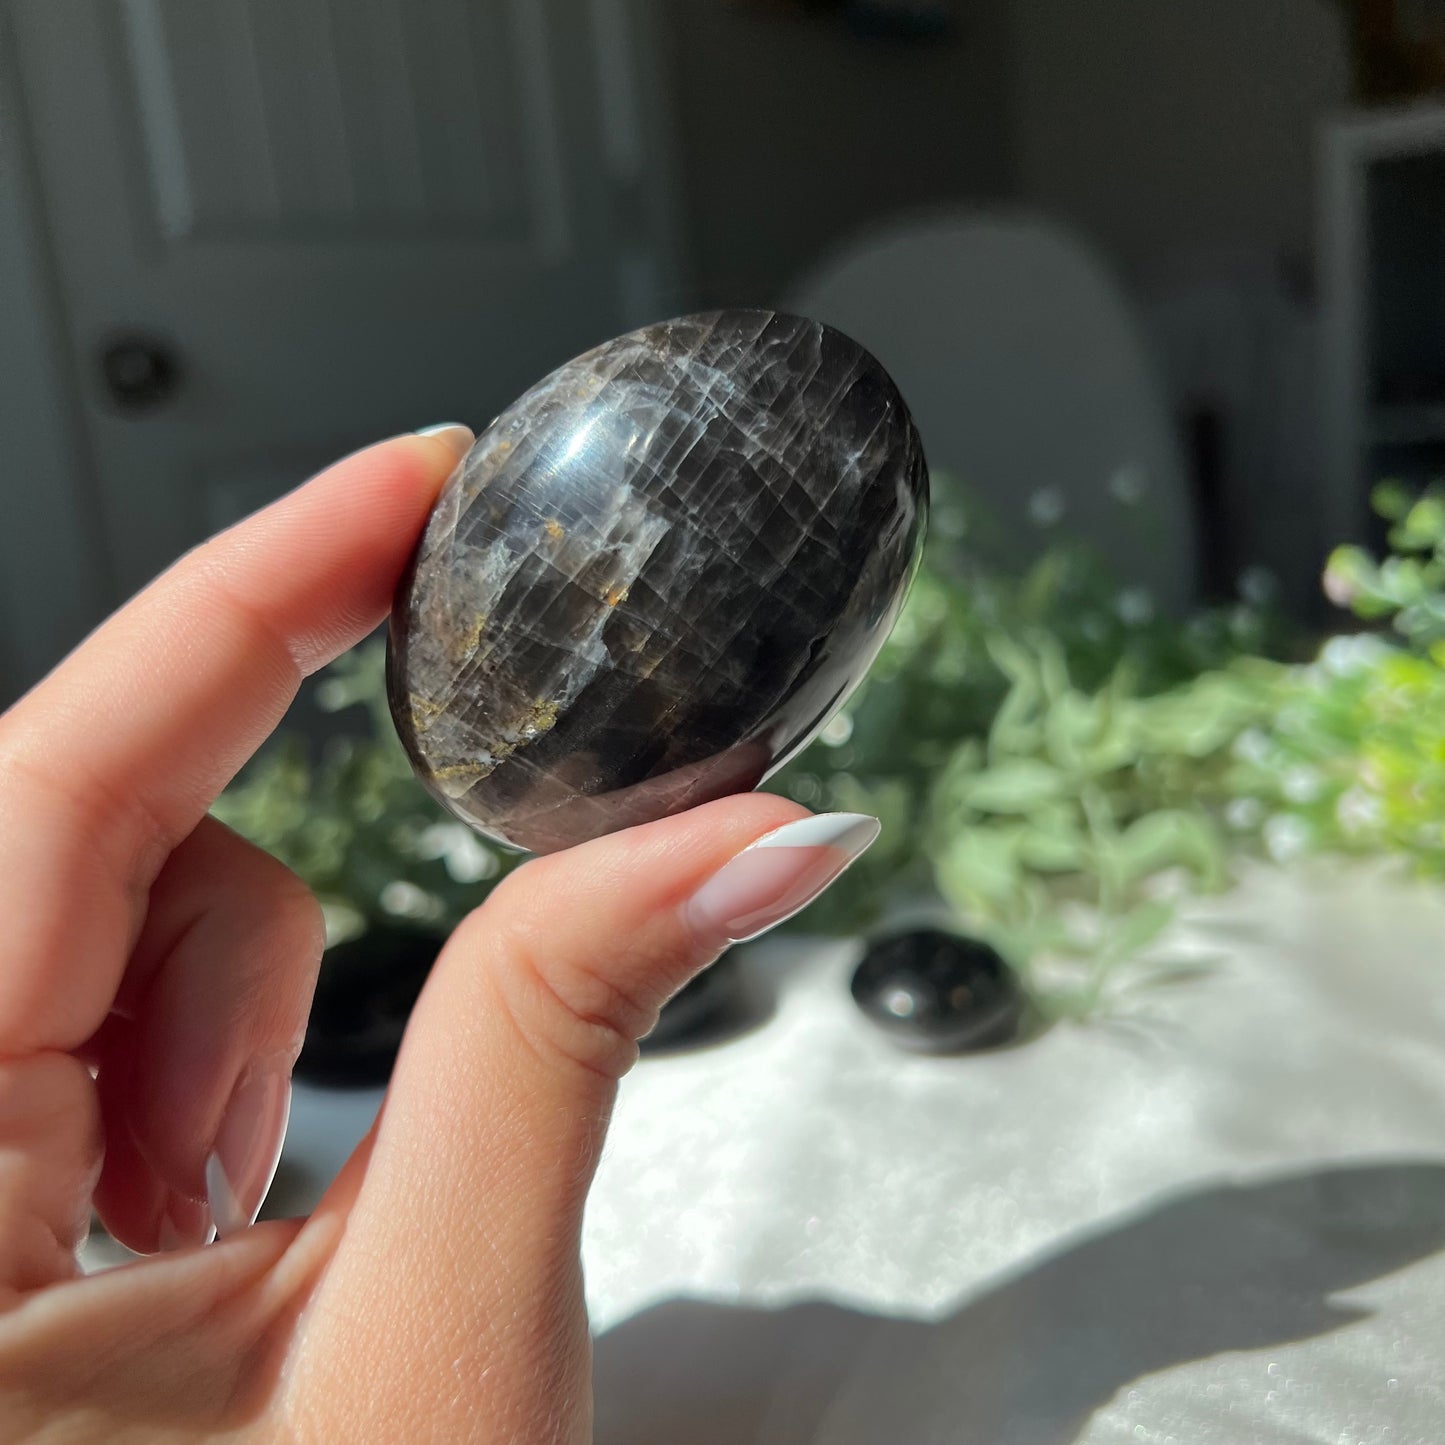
154 996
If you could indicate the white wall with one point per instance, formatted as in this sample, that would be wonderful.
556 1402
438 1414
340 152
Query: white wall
1180 136
1159 128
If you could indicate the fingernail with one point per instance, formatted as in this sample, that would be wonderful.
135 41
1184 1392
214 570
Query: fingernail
782 872
170 1237
458 437
184 1223
243 1161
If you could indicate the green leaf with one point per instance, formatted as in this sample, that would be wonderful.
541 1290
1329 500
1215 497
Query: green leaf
979 872
1200 717
1014 661
1170 838
1043 582
1422 527
1391 500
1074 728
1014 787
1053 849
1401 580
1053 668
1138 928
1015 730
947 808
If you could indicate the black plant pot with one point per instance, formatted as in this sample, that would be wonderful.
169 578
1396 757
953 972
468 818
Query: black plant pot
364 996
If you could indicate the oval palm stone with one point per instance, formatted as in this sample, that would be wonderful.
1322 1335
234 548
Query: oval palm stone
655 576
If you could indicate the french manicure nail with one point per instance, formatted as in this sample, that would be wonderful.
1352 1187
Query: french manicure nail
243 1160
184 1223
779 874
458 437
169 1237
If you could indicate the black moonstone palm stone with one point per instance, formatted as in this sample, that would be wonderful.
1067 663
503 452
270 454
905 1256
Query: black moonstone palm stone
656 576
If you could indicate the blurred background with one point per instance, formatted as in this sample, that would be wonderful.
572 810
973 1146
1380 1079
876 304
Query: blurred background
1164 284
237 239
1164 288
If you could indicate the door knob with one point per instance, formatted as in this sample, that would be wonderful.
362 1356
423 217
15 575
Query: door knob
140 372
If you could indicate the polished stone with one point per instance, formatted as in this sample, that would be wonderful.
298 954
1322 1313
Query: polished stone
939 993
656 576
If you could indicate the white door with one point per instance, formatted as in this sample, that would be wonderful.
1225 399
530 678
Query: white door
282 228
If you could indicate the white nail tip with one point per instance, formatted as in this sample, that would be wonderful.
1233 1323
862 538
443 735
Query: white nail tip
226 1209
850 832
458 437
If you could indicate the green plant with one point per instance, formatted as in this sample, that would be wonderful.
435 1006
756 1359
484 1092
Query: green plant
1042 748
356 824
1407 587
1053 837
1036 664
1353 760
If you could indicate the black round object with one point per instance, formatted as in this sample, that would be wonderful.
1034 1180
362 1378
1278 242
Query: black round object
364 997
939 993
655 576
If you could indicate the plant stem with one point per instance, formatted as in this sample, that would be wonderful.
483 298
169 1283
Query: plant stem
1099 819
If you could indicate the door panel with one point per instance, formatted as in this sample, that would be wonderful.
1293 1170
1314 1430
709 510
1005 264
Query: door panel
378 118
335 219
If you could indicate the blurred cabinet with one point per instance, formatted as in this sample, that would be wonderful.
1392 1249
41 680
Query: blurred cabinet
1382 254
277 229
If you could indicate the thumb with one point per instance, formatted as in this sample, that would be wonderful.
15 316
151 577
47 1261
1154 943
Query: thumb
461 1239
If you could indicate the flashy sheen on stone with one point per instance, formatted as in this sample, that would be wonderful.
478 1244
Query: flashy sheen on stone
656 576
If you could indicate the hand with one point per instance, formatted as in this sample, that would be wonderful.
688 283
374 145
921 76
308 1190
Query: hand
153 999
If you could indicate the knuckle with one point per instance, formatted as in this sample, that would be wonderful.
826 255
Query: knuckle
566 1008
298 913
288 890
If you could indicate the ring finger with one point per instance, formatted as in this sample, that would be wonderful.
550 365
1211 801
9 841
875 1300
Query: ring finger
195 1063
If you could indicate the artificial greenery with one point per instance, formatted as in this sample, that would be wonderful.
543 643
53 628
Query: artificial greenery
1353 758
1042 749
1049 756
1408 587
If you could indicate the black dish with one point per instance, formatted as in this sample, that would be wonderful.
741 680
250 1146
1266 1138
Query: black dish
939 993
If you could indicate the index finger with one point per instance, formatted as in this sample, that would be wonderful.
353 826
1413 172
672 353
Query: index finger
116 756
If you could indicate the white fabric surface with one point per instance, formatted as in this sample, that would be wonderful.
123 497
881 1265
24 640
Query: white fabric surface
1217 1219
1220 1219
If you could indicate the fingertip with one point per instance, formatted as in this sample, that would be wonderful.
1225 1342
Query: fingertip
408 469
454 436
